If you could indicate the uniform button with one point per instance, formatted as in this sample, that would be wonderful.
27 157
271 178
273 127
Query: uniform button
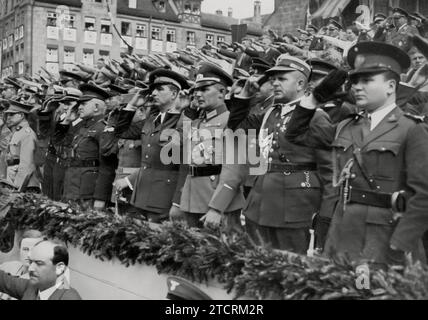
152 135
383 149
303 184
274 142
353 176
278 125
363 196
144 168
271 150
212 178
147 156
148 145
270 159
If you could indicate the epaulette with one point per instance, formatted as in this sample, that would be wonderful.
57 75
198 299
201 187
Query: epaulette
416 118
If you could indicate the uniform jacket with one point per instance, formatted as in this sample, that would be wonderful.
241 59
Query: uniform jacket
282 199
401 37
5 136
154 183
88 183
22 147
197 192
392 158
22 289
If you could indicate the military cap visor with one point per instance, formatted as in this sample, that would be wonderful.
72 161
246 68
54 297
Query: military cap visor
68 76
286 63
321 67
117 89
210 74
18 107
311 26
11 83
400 12
336 24
372 57
91 91
164 76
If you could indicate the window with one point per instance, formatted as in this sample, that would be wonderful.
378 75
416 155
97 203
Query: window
133 4
141 31
156 33
125 29
69 55
187 7
69 21
52 54
88 57
161 6
89 24
210 38
196 9
170 35
104 54
190 38
105 26
51 19
221 39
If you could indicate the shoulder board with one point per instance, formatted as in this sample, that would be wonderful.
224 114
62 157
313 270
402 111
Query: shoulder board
416 118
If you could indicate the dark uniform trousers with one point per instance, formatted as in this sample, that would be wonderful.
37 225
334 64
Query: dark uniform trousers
89 174
386 160
280 206
154 183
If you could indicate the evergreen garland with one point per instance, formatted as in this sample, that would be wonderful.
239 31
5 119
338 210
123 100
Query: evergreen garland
202 255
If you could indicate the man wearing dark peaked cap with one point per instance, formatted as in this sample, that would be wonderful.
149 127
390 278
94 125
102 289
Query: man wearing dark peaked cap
21 170
290 179
382 210
400 35
206 154
89 175
154 183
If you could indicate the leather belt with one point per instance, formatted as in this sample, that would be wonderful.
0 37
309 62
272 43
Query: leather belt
395 201
75 163
13 162
291 167
206 171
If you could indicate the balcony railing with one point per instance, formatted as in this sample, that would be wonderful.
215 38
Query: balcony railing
90 37
70 34
52 32
157 46
106 39
141 43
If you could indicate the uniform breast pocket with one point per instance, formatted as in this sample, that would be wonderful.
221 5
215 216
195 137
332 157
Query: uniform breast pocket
381 159
88 180
162 190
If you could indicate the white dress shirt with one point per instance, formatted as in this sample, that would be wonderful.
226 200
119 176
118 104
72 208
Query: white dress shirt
45 294
377 116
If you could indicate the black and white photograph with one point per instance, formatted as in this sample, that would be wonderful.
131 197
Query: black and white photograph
229 151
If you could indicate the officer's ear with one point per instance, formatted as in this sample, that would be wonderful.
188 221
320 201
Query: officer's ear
60 269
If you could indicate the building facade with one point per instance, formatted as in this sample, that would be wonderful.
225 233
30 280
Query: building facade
55 34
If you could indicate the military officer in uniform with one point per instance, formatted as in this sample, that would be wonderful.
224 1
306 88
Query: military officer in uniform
89 174
55 110
154 184
20 156
383 180
206 153
399 36
291 180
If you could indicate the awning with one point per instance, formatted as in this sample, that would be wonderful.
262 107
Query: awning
331 8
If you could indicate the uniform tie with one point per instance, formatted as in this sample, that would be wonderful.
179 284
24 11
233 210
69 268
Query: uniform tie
366 125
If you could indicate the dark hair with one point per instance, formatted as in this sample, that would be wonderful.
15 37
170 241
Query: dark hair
60 252
390 75
60 255
354 30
